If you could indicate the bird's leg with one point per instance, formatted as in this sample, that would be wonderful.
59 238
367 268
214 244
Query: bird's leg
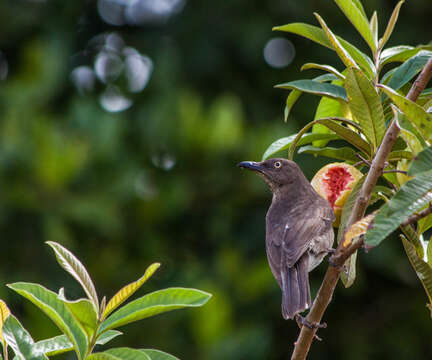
301 321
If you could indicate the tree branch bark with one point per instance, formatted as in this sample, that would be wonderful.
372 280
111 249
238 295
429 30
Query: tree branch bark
342 253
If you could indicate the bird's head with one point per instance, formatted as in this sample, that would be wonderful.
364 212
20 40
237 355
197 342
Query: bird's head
276 172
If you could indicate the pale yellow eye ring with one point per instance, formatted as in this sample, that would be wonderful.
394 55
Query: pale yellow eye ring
277 164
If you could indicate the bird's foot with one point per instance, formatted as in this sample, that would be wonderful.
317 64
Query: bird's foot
331 251
333 263
301 321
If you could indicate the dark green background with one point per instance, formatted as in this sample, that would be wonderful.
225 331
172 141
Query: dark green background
95 181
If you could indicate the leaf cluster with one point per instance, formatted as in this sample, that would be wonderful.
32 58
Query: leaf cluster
86 322
358 104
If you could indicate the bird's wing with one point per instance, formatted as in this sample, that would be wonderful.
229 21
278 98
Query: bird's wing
300 227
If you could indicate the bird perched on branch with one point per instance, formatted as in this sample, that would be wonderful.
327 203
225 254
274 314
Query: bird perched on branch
299 230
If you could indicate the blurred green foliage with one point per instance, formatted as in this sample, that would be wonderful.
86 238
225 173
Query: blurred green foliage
158 182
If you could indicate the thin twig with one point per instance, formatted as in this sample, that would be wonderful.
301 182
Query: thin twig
395 171
416 217
332 275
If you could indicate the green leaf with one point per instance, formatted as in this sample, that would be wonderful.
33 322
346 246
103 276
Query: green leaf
409 133
73 266
340 50
429 253
423 225
57 311
422 269
318 35
343 153
360 22
399 155
316 88
360 7
391 24
122 353
84 311
124 293
421 163
409 69
20 340
285 143
290 101
365 105
400 53
415 113
158 355
324 67
374 26
411 197
349 275
4 313
60 344
155 303
411 235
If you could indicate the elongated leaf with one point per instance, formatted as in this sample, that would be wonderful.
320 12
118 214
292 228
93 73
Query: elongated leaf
409 133
422 162
84 311
60 344
413 238
348 135
343 153
349 275
4 313
127 291
409 69
290 101
429 253
316 88
411 197
324 67
422 269
374 26
317 35
400 53
391 24
360 22
285 143
125 353
57 311
400 154
365 105
153 304
20 340
340 50
73 266
102 356
415 113
158 355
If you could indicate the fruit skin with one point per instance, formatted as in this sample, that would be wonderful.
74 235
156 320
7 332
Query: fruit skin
334 182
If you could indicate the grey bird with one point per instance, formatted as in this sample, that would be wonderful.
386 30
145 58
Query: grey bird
299 231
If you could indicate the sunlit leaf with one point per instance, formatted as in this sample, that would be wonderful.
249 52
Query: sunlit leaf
357 229
20 340
411 197
290 101
73 266
415 113
324 67
410 134
400 154
158 355
422 162
84 311
360 22
424 224
60 344
409 69
57 311
317 35
4 313
429 253
340 50
374 26
365 105
153 304
400 53
124 293
422 269
342 153
316 88
391 24
285 143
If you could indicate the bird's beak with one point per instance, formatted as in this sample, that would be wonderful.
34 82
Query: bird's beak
251 165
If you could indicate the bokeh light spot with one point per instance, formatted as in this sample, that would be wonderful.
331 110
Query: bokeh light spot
113 100
83 78
279 52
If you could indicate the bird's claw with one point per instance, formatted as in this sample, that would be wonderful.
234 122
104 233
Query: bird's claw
301 321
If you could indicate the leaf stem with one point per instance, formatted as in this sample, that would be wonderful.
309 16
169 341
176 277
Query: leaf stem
342 253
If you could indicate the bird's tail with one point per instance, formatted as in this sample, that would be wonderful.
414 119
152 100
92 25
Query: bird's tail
295 288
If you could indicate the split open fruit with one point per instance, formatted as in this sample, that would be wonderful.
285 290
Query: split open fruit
334 182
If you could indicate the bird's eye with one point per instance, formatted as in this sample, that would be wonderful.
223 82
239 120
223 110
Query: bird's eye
277 164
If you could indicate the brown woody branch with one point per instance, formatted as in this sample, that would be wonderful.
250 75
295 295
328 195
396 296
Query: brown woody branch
342 253
416 217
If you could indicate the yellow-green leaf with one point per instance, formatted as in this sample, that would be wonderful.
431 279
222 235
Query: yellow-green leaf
4 313
124 293
390 26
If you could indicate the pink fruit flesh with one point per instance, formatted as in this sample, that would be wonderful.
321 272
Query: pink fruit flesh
335 181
